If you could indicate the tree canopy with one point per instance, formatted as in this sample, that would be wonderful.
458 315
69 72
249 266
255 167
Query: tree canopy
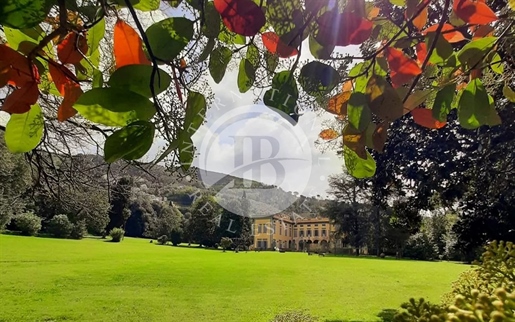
72 68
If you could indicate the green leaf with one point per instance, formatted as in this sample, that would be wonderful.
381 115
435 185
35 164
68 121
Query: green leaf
147 5
218 61
253 55
95 34
24 131
400 3
23 13
286 17
318 51
174 3
508 93
318 79
24 40
472 53
358 167
137 78
195 113
231 38
114 106
130 142
271 61
246 75
98 79
284 93
443 102
186 152
169 37
416 99
358 113
207 50
442 51
195 4
212 23
93 13
496 63
476 107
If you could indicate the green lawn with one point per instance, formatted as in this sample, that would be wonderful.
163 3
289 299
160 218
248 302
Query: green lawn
43 279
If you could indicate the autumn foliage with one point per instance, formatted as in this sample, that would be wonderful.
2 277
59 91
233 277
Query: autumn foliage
411 67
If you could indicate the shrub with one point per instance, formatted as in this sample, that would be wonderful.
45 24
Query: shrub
294 316
79 230
116 234
486 293
28 223
162 240
60 226
176 238
225 242
420 247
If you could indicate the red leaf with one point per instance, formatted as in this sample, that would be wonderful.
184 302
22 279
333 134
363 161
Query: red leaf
275 45
68 88
343 29
15 68
21 99
424 117
474 12
421 20
482 31
402 68
421 52
72 48
128 47
451 36
243 17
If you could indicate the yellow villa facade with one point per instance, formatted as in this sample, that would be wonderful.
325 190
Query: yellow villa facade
294 232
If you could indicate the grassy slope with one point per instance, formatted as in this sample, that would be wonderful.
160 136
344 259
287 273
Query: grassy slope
44 279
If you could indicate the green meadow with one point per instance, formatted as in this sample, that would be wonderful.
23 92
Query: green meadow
43 279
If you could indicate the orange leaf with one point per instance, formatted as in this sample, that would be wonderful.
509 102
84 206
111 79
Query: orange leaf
328 134
275 45
402 68
243 17
347 86
449 32
421 20
421 52
474 12
128 47
338 103
424 117
343 29
21 99
373 13
68 88
16 68
72 48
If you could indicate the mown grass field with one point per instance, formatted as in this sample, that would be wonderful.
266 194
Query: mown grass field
43 279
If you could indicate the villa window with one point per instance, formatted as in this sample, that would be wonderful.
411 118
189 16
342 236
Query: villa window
309 233
294 233
301 234
324 233
316 233
280 230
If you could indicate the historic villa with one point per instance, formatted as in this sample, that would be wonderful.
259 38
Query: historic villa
295 232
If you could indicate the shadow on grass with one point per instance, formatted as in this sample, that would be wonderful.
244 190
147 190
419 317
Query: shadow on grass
385 315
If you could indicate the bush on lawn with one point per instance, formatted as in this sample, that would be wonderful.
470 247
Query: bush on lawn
28 223
486 293
226 243
79 230
294 316
60 226
176 237
162 240
116 234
